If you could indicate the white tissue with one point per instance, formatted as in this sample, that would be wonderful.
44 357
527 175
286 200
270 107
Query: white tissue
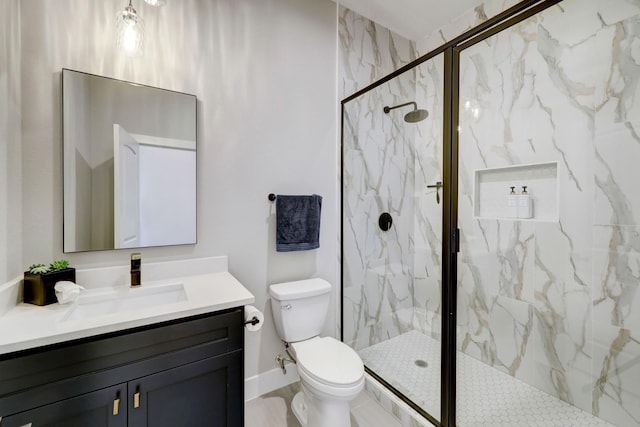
249 313
66 291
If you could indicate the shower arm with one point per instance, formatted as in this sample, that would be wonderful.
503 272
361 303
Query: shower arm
387 109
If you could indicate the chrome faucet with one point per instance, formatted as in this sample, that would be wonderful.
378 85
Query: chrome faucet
136 270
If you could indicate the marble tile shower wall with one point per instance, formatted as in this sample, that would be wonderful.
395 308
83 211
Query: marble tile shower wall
556 303
427 229
471 18
368 52
379 160
396 287
552 303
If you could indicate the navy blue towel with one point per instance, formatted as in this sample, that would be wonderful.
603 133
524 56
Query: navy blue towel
298 223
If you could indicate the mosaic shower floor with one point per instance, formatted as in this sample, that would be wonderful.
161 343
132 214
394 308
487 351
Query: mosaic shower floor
486 396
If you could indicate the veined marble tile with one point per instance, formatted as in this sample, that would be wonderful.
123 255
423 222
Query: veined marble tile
499 253
616 276
617 200
428 271
572 22
618 116
614 11
386 161
428 213
562 252
513 115
368 52
493 281
559 355
469 19
510 321
616 375
527 97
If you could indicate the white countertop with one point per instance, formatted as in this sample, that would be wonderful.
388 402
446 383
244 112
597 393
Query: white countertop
27 326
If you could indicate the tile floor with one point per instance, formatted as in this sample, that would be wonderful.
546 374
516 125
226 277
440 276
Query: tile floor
274 410
486 396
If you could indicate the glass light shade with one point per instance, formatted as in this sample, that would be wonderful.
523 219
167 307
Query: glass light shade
130 28
156 2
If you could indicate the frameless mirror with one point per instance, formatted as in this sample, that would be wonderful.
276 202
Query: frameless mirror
129 161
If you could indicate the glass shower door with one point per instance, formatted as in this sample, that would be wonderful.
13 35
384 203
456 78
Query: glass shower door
392 232
547 287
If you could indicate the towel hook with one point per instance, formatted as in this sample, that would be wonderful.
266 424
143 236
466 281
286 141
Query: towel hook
272 197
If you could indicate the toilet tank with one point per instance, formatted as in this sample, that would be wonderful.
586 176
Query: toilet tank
300 308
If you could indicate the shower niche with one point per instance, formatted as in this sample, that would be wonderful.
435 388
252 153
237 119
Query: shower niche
540 181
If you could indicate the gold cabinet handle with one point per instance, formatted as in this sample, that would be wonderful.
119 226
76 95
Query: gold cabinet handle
116 405
136 399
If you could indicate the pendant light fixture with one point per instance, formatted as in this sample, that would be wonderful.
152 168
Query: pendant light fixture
130 29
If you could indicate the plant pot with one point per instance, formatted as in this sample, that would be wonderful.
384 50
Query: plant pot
39 289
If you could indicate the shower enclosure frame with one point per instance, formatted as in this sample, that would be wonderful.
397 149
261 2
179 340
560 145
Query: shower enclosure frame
450 232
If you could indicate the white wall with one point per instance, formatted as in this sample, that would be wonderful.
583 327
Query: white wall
10 178
264 73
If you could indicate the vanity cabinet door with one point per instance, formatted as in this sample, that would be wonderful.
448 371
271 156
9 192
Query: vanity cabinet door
207 393
101 408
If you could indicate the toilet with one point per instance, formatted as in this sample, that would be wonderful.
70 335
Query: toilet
331 372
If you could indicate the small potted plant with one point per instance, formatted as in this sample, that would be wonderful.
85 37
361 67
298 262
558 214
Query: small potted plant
40 280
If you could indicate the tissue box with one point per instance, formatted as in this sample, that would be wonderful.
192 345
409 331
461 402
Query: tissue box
39 289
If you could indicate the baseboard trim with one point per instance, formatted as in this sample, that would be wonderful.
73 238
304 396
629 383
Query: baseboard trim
268 381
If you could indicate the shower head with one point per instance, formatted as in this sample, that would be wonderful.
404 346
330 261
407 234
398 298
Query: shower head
413 116
416 116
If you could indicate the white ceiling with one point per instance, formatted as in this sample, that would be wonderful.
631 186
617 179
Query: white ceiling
412 19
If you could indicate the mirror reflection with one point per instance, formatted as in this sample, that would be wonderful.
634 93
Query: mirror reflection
129 164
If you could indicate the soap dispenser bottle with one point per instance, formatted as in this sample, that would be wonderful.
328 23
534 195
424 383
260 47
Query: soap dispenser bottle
525 204
511 204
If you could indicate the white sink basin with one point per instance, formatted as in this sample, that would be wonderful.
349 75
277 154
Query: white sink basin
103 303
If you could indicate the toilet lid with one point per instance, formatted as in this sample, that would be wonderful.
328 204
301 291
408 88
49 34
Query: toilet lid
329 361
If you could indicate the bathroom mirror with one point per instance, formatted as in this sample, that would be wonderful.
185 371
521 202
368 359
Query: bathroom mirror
129 164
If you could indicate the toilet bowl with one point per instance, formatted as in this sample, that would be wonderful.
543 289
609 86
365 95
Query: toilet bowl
331 372
331 375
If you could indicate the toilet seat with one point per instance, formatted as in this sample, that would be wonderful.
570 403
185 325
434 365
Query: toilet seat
329 362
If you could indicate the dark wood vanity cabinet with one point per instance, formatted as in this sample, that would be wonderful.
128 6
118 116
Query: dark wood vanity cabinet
180 373
96 409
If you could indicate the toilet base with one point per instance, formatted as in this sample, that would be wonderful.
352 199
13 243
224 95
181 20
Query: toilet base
299 408
317 413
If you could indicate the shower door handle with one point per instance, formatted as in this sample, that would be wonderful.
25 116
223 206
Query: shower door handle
437 186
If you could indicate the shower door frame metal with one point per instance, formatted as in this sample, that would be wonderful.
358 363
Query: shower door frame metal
450 231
